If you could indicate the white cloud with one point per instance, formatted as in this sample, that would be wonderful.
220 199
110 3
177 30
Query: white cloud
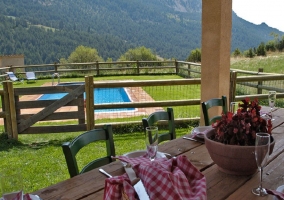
257 11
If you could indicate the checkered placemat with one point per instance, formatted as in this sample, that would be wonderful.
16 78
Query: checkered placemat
174 179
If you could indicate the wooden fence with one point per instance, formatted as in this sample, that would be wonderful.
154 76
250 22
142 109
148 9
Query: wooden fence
107 68
16 122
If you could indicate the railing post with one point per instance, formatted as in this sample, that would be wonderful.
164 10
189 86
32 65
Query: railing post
188 70
98 68
233 85
10 110
89 89
259 83
176 65
55 67
138 67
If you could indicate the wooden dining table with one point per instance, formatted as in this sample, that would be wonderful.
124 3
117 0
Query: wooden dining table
90 185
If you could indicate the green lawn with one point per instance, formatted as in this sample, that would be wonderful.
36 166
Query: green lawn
272 63
41 159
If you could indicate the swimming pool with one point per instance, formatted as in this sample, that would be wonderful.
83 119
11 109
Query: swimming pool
102 95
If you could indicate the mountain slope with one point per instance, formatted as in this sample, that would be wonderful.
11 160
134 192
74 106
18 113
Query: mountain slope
171 28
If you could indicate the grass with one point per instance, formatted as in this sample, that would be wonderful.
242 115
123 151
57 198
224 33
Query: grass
40 157
272 63
42 162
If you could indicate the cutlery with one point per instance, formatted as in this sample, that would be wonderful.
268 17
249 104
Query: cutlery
192 139
136 182
105 173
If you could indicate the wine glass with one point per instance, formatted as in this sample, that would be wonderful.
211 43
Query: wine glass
151 141
262 145
271 101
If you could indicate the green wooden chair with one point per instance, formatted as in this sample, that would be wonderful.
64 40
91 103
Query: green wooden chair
212 103
156 117
70 149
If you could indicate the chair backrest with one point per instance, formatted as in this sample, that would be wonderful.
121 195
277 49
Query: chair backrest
12 76
30 76
167 116
70 149
212 103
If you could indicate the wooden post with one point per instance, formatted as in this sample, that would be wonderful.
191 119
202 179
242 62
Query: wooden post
176 65
10 109
89 89
259 90
138 67
81 108
98 68
188 70
6 108
55 68
233 85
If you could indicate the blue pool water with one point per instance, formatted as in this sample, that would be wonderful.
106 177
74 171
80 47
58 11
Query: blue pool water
102 95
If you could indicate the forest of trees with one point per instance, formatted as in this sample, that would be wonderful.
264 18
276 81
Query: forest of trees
41 45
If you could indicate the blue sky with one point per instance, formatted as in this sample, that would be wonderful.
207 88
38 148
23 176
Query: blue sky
257 11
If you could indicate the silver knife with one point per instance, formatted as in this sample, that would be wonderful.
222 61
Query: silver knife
137 183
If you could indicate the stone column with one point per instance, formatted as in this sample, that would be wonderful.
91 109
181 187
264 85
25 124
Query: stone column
216 47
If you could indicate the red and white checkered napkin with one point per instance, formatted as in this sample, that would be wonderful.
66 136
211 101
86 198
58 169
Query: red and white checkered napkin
115 185
276 193
174 179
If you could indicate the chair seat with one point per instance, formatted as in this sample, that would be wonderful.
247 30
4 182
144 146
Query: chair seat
30 76
13 77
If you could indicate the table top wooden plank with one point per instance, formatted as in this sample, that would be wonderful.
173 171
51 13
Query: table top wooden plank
199 157
279 129
220 185
98 195
178 146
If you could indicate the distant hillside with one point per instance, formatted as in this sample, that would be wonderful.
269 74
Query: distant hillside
247 35
171 28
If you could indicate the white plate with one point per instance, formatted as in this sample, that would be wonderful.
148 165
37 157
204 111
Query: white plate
135 154
200 131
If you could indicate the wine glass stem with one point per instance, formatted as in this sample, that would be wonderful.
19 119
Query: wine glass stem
260 183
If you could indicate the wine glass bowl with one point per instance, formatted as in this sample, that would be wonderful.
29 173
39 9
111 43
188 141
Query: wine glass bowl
151 140
262 147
